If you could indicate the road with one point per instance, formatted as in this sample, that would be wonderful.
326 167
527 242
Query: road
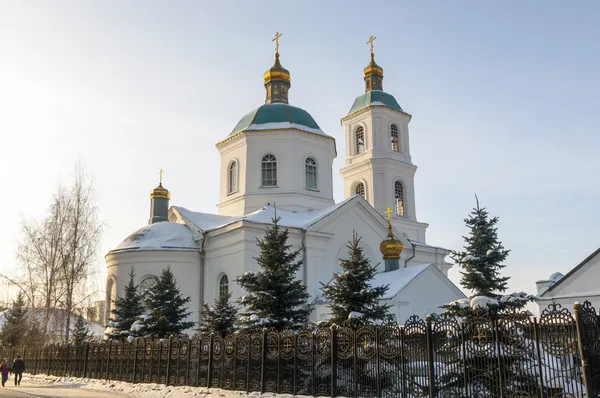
26 390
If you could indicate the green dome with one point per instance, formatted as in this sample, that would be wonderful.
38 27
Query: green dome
375 98
278 116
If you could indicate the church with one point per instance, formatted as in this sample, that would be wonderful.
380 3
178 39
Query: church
278 161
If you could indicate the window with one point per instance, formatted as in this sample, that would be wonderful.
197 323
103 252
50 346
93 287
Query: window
360 140
310 170
223 286
269 171
394 138
399 193
360 190
233 178
146 283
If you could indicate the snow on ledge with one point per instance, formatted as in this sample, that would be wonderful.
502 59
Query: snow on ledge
284 125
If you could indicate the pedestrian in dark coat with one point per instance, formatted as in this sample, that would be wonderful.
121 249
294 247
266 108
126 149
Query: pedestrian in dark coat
4 370
18 368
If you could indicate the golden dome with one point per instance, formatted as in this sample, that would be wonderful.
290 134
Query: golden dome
373 68
277 72
390 247
160 192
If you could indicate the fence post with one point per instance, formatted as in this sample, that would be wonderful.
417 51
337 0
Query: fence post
169 361
50 359
37 351
430 363
333 360
134 360
108 360
210 352
581 345
536 333
263 366
67 360
85 359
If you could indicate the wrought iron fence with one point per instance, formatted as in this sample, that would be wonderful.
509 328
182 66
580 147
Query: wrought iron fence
557 355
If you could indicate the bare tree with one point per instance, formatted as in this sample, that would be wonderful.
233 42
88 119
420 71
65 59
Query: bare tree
83 233
58 253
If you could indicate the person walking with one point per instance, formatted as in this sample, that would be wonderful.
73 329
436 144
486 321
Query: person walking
18 368
5 370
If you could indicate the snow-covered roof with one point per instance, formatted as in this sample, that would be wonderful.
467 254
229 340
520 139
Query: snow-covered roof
291 219
159 236
398 279
416 243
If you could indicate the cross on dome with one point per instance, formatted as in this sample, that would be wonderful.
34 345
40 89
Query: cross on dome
276 40
370 41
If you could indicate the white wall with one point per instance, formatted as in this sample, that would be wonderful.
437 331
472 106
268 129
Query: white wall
291 148
184 265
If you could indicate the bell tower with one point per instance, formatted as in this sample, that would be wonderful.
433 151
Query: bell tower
377 164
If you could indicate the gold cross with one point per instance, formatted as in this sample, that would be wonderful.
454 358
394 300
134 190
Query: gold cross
161 173
276 40
389 211
479 336
370 41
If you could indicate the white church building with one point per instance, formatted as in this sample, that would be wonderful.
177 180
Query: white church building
277 159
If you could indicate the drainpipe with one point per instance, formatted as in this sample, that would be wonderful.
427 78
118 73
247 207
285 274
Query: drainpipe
202 279
411 257
304 259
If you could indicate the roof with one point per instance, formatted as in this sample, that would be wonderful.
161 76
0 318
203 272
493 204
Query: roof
159 236
276 117
398 279
375 98
572 272
292 219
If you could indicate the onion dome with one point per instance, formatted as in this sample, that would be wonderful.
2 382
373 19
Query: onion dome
373 75
160 192
277 79
390 247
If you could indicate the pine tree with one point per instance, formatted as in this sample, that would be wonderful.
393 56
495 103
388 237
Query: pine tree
81 331
220 317
482 261
165 309
349 294
15 323
127 310
276 298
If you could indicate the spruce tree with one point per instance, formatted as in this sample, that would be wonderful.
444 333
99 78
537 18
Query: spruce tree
126 311
81 331
220 317
165 309
15 323
276 297
481 262
350 295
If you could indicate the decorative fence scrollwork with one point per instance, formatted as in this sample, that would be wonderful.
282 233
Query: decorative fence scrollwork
513 355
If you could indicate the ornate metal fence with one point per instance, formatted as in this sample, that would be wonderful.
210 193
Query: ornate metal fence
557 355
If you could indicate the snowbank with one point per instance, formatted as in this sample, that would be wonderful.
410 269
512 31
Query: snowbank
149 390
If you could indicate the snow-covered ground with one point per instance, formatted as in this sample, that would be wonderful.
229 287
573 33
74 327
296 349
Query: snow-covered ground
141 390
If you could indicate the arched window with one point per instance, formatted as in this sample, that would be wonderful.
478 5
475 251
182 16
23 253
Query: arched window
394 138
310 171
360 140
399 194
269 171
146 283
223 286
232 178
360 190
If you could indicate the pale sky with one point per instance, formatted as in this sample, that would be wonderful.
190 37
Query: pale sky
504 98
